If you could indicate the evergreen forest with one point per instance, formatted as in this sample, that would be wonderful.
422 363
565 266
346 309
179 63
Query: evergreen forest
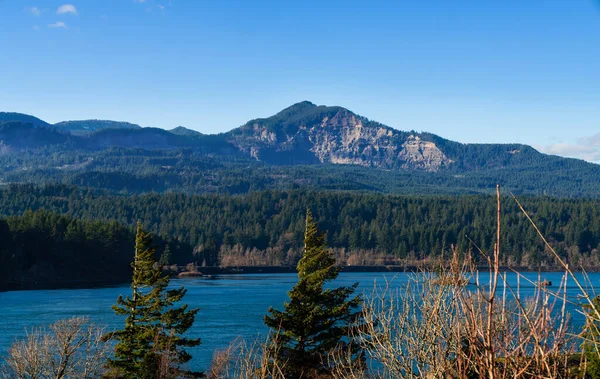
47 231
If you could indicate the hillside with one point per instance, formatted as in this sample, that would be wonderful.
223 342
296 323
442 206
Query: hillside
304 145
16 135
267 227
85 127
306 134
22 118
45 250
182 131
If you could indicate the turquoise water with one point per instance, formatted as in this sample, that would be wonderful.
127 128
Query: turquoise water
231 306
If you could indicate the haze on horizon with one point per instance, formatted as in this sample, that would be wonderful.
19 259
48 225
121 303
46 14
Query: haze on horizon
497 72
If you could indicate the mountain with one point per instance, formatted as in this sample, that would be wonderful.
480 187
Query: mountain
156 138
304 145
85 127
307 134
16 135
22 118
301 134
181 131
149 138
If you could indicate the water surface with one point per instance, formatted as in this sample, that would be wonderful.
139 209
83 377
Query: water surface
231 306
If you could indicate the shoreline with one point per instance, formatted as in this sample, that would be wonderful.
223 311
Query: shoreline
209 271
239 270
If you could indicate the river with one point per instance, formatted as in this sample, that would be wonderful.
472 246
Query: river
231 306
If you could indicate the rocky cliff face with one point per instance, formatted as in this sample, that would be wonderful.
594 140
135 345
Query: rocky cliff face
424 155
335 135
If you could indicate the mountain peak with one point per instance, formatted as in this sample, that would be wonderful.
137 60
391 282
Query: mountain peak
301 105
183 131
300 108
305 133
85 127
23 118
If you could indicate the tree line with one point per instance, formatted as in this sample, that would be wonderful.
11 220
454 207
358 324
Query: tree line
43 248
266 227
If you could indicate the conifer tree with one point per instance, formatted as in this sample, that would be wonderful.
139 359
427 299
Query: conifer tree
152 344
165 257
316 320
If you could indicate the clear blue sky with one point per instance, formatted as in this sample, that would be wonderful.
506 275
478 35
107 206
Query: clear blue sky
473 71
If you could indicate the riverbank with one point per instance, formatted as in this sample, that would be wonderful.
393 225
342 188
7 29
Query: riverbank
232 270
212 271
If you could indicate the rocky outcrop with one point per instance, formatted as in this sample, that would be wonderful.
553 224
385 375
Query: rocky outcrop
422 155
336 135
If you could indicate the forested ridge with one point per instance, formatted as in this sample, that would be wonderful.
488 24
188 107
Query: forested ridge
266 228
43 248
137 170
303 146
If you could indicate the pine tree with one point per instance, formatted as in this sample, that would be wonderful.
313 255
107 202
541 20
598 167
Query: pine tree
165 257
316 321
151 345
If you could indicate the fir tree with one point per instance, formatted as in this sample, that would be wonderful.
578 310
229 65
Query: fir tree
151 345
316 321
165 257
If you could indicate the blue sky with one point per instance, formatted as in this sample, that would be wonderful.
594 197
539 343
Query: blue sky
471 71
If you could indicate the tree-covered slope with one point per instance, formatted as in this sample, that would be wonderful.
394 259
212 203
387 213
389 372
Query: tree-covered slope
183 131
22 118
304 145
15 136
85 127
364 228
45 249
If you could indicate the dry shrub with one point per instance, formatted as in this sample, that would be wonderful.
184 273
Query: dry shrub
247 360
409 331
433 329
71 348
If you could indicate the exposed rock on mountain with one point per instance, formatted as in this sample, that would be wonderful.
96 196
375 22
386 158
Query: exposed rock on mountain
424 155
306 133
